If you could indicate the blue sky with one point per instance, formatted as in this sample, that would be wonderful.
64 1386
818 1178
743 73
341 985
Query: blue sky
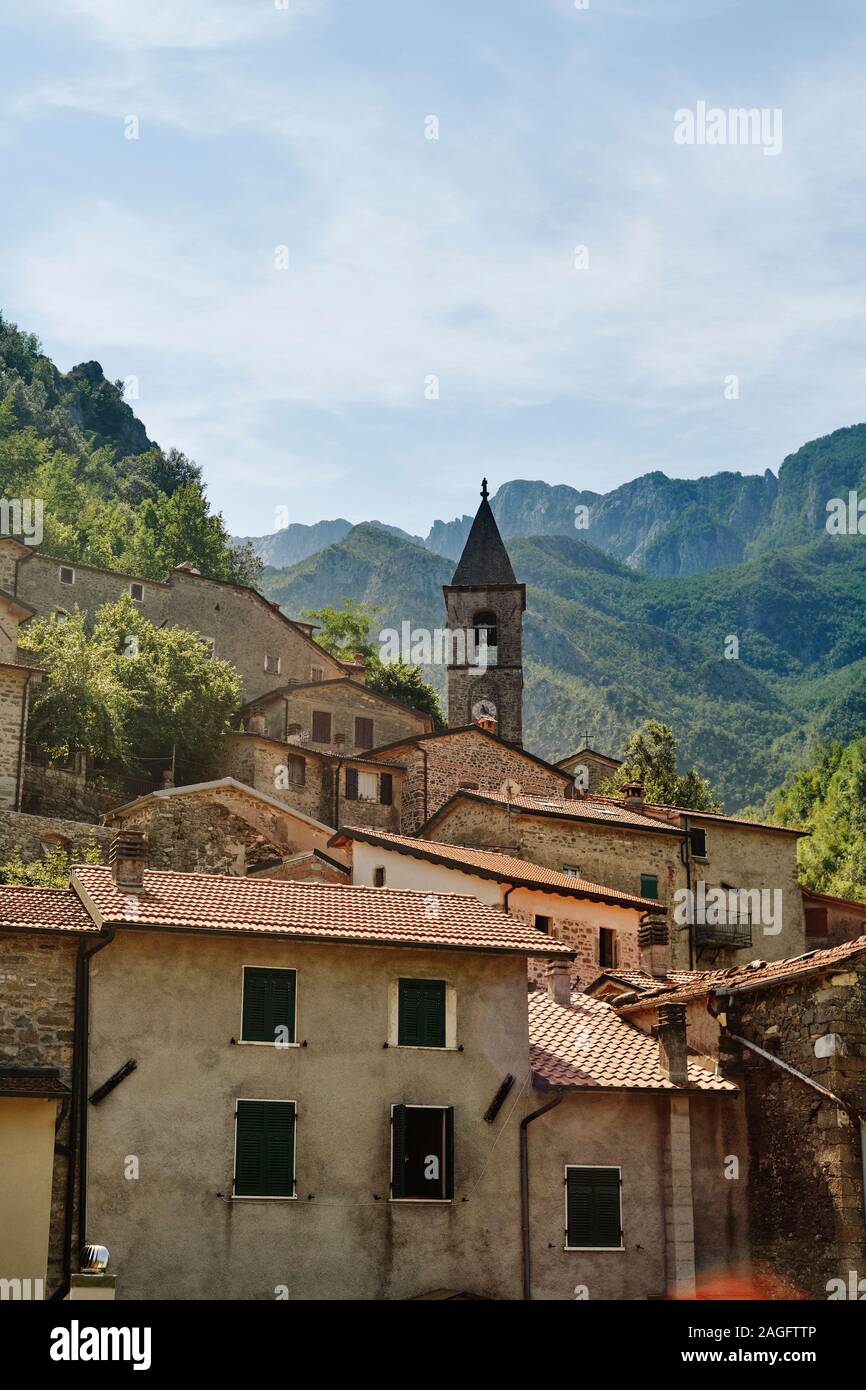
304 388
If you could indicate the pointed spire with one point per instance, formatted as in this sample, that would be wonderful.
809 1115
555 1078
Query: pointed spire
484 559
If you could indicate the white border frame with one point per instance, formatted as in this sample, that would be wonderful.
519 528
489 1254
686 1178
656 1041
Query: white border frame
611 1248
417 1201
264 1196
257 1042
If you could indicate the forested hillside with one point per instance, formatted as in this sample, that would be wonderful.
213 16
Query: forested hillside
109 495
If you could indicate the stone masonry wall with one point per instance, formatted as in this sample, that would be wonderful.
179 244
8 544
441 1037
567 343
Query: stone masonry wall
12 712
24 835
37 1014
806 1185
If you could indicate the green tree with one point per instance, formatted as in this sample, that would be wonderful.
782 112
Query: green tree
345 633
650 757
127 692
50 872
829 800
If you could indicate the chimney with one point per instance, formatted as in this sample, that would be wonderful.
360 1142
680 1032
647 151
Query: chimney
257 724
633 795
127 860
673 1048
654 946
559 982
488 723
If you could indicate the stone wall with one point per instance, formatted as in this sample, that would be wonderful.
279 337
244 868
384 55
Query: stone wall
502 683
467 756
13 695
59 791
190 835
245 629
806 1179
25 835
345 701
37 986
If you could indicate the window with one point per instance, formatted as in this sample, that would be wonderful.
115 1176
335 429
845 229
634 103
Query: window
468 786
606 947
317 673
264 1148
593 1219
368 786
649 886
321 726
379 876
542 923
363 732
572 869
486 629
269 1005
67 574
137 592
273 663
698 844
422 1153
297 771
421 1013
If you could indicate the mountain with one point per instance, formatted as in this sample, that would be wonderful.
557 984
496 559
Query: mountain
607 646
663 526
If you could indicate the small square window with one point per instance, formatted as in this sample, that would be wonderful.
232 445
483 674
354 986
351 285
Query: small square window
649 886
571 869
422 1153
264 1148
67 574
379 876
269 998
421 1013
593 1209
137 592
317 673
698 844
542 923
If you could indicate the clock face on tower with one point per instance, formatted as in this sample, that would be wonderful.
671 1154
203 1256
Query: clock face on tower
484 708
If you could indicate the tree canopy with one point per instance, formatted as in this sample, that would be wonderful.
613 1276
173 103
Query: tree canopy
128 693
828 798
650 757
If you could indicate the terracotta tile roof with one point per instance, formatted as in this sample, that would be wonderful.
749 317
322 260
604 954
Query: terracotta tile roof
38 1085
315 911
600 812
491 864
754 975
43 909
639 980
589 1047
674 815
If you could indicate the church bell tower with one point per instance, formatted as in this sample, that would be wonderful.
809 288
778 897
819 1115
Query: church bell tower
484 600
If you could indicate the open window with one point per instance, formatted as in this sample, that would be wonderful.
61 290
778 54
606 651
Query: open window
422 1153
485 629
698 843
606 948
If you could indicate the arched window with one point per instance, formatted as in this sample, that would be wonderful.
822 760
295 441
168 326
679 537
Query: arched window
486 626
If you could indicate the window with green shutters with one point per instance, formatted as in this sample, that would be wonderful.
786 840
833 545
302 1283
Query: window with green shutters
264 1148
421 1013
422 1153
269 1005
649 886
593 1214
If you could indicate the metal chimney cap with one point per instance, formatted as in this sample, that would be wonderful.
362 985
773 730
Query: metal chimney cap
94 1259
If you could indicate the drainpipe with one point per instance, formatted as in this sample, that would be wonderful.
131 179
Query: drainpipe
19 775
80 1049
337 770
686 855
424 756
506 895
524 1187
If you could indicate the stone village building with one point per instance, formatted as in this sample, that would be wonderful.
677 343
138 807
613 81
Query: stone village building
363 1098
622 1137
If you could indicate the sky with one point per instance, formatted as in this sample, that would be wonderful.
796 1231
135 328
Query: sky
352 256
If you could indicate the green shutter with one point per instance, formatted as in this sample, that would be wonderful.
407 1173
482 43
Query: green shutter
449 1152
421 1020
649 886
265 1148
269 1003
398 1151
593 1216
